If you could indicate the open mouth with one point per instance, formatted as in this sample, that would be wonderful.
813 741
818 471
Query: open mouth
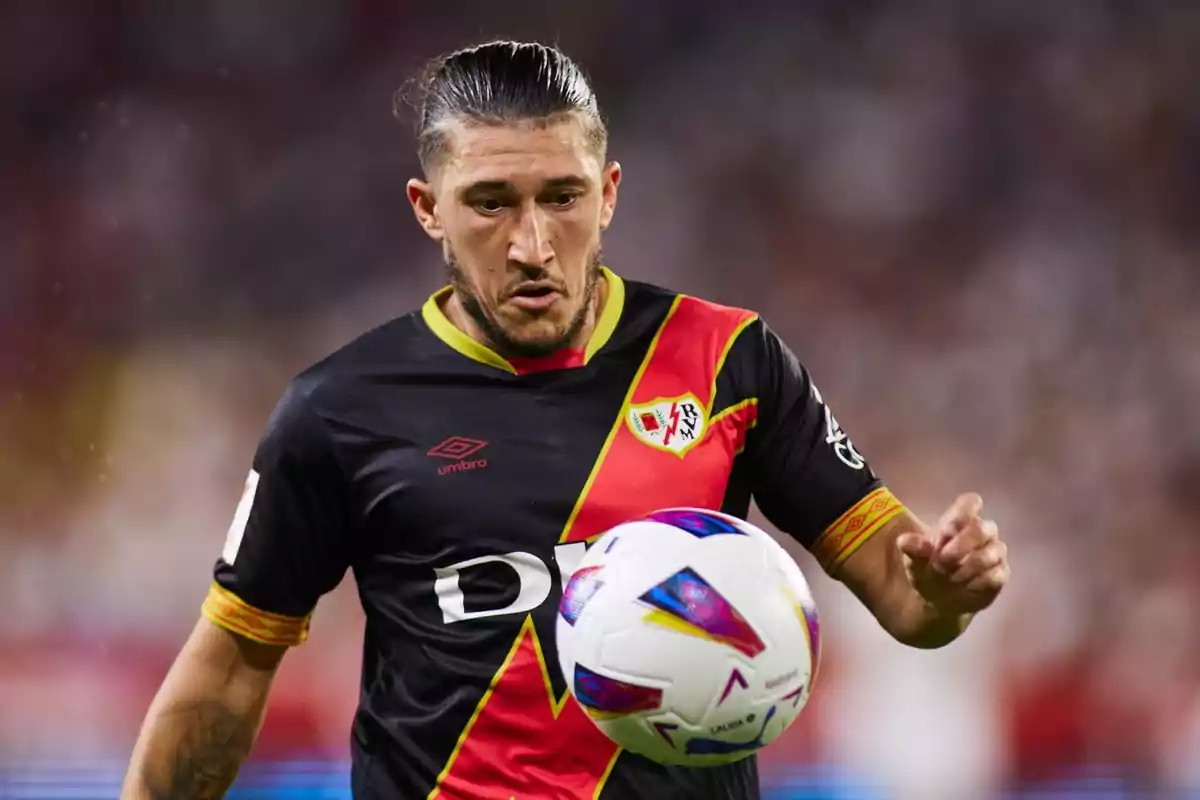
535 296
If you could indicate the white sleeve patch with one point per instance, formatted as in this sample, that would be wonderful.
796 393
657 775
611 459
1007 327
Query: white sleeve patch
237 529
843 448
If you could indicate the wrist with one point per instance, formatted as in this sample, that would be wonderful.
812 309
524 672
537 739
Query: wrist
927 627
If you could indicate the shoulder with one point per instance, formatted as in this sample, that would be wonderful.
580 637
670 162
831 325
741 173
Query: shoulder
388 353
683 310
325 389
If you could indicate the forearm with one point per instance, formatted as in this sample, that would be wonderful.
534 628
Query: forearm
878 576
191 749
203 722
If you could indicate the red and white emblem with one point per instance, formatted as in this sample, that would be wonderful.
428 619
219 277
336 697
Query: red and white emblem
669 424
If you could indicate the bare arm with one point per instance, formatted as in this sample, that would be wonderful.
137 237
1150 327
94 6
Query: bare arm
204 719
926 585
877 575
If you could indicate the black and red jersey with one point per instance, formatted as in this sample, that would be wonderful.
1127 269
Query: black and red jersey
461 488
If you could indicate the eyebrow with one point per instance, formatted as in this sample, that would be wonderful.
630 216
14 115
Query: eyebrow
561 182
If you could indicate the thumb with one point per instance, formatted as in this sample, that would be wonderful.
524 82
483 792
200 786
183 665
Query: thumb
916 546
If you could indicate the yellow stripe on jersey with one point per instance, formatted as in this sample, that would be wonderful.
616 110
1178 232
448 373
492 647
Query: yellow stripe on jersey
864 519
733 337
226 610
610 315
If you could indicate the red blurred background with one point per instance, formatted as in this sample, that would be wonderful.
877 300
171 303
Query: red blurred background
978 224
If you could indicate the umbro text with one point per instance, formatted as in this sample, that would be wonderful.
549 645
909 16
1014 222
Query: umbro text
463 466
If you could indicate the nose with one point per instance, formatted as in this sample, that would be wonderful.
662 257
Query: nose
529 243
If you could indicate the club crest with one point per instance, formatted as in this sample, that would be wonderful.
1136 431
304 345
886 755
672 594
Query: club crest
669 424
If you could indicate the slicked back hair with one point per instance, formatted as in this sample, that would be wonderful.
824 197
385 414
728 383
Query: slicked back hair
502 82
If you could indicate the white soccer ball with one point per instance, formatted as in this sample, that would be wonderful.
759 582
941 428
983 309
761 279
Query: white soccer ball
689 637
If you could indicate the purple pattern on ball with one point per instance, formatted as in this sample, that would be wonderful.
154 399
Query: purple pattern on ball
579 590
697 523
814 631
612 696
692 599
664 730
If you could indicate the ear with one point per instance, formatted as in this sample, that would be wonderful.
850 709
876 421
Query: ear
424 205
610 179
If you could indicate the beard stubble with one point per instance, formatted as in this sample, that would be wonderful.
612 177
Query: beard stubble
497 337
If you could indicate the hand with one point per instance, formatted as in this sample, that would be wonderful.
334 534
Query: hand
961 566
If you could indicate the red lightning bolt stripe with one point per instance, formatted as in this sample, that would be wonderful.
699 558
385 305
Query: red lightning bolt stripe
631 479
519 722
673 425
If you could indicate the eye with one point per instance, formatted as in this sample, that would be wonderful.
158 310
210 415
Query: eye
489 205
564 199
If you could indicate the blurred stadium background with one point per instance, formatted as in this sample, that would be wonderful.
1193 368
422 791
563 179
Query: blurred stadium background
977 222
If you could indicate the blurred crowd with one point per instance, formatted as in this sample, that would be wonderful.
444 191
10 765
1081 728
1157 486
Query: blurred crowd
978 224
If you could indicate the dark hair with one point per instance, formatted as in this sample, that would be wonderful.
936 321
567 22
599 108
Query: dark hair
501 82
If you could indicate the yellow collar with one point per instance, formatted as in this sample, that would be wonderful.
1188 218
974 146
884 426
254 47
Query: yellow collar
445 330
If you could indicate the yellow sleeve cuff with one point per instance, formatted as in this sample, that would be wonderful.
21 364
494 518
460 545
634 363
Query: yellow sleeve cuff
864 519
226 610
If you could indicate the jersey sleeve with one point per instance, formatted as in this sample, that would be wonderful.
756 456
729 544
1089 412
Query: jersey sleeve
806 475
289 540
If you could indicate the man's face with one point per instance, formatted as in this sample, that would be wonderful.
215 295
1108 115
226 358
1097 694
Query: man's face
518 209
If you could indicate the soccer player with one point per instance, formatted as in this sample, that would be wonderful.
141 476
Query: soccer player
459 458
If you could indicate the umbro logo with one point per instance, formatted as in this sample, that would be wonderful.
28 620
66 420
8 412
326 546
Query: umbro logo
458 449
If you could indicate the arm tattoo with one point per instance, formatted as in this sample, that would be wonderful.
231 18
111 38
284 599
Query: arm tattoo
213 742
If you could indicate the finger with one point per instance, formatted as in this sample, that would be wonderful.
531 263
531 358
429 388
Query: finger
964 509
979 562
969 540
916 546
991 581
942 537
